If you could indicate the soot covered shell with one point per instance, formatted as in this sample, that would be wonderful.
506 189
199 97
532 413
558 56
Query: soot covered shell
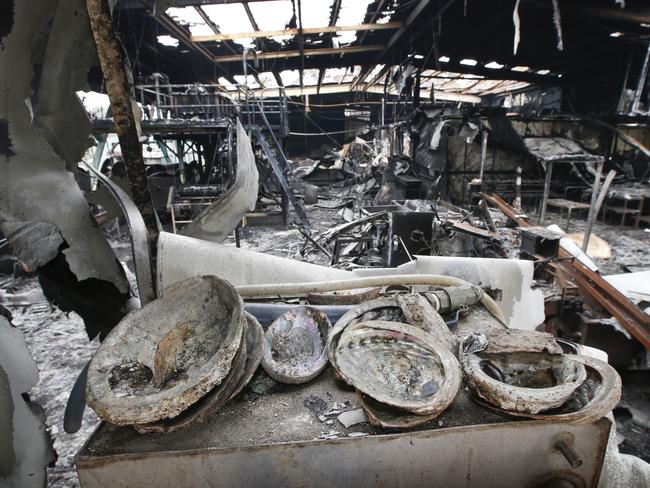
294 345
596 397
244 366
410 308
530 382
163 358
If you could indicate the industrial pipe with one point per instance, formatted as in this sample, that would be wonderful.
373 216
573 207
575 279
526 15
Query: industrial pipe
302 289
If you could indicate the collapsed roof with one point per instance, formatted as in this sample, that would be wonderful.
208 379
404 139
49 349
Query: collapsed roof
352 45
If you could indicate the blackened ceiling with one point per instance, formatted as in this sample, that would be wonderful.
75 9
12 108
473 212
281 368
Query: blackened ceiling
480 30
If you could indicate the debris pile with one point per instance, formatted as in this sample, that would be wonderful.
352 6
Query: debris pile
393 234
574 272
182 364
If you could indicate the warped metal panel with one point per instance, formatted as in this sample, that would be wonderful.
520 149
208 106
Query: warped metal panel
238 266
516 454
218 220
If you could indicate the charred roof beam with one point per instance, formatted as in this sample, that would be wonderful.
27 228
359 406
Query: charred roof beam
215 28
504 73
191 3
301 41
251 19
296 31
633 12
334 17
419 9
336 10
182 35
321 75
307 53
373 18
262 44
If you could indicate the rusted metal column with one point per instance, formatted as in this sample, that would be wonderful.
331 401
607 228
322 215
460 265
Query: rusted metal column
111 60
547 190
643 76
591 217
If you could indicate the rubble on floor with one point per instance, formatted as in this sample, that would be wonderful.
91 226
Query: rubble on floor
292 239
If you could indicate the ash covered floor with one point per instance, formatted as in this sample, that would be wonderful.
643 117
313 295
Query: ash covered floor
61 348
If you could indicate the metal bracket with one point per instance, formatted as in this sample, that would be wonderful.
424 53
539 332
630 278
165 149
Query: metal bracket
139 237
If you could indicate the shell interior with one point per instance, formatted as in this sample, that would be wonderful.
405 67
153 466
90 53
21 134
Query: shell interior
531 370
244 366
392 362
161 359
399 365
294 345
529 382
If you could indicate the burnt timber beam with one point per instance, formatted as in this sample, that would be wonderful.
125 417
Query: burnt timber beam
253 22
250 16
633 12
190 3
177 31
296 31
397 36
509 211
415 13
206 18
330 88
594 286
373 18
301 42
334 17
419 8
334 14
321 75
307 52
111 60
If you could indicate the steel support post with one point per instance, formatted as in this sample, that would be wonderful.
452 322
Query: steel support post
112 62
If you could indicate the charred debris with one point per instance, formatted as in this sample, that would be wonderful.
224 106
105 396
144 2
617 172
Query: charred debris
315 243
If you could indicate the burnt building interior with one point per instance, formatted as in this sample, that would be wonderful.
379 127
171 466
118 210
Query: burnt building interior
324 242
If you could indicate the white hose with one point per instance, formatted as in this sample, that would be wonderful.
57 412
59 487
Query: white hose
302 289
